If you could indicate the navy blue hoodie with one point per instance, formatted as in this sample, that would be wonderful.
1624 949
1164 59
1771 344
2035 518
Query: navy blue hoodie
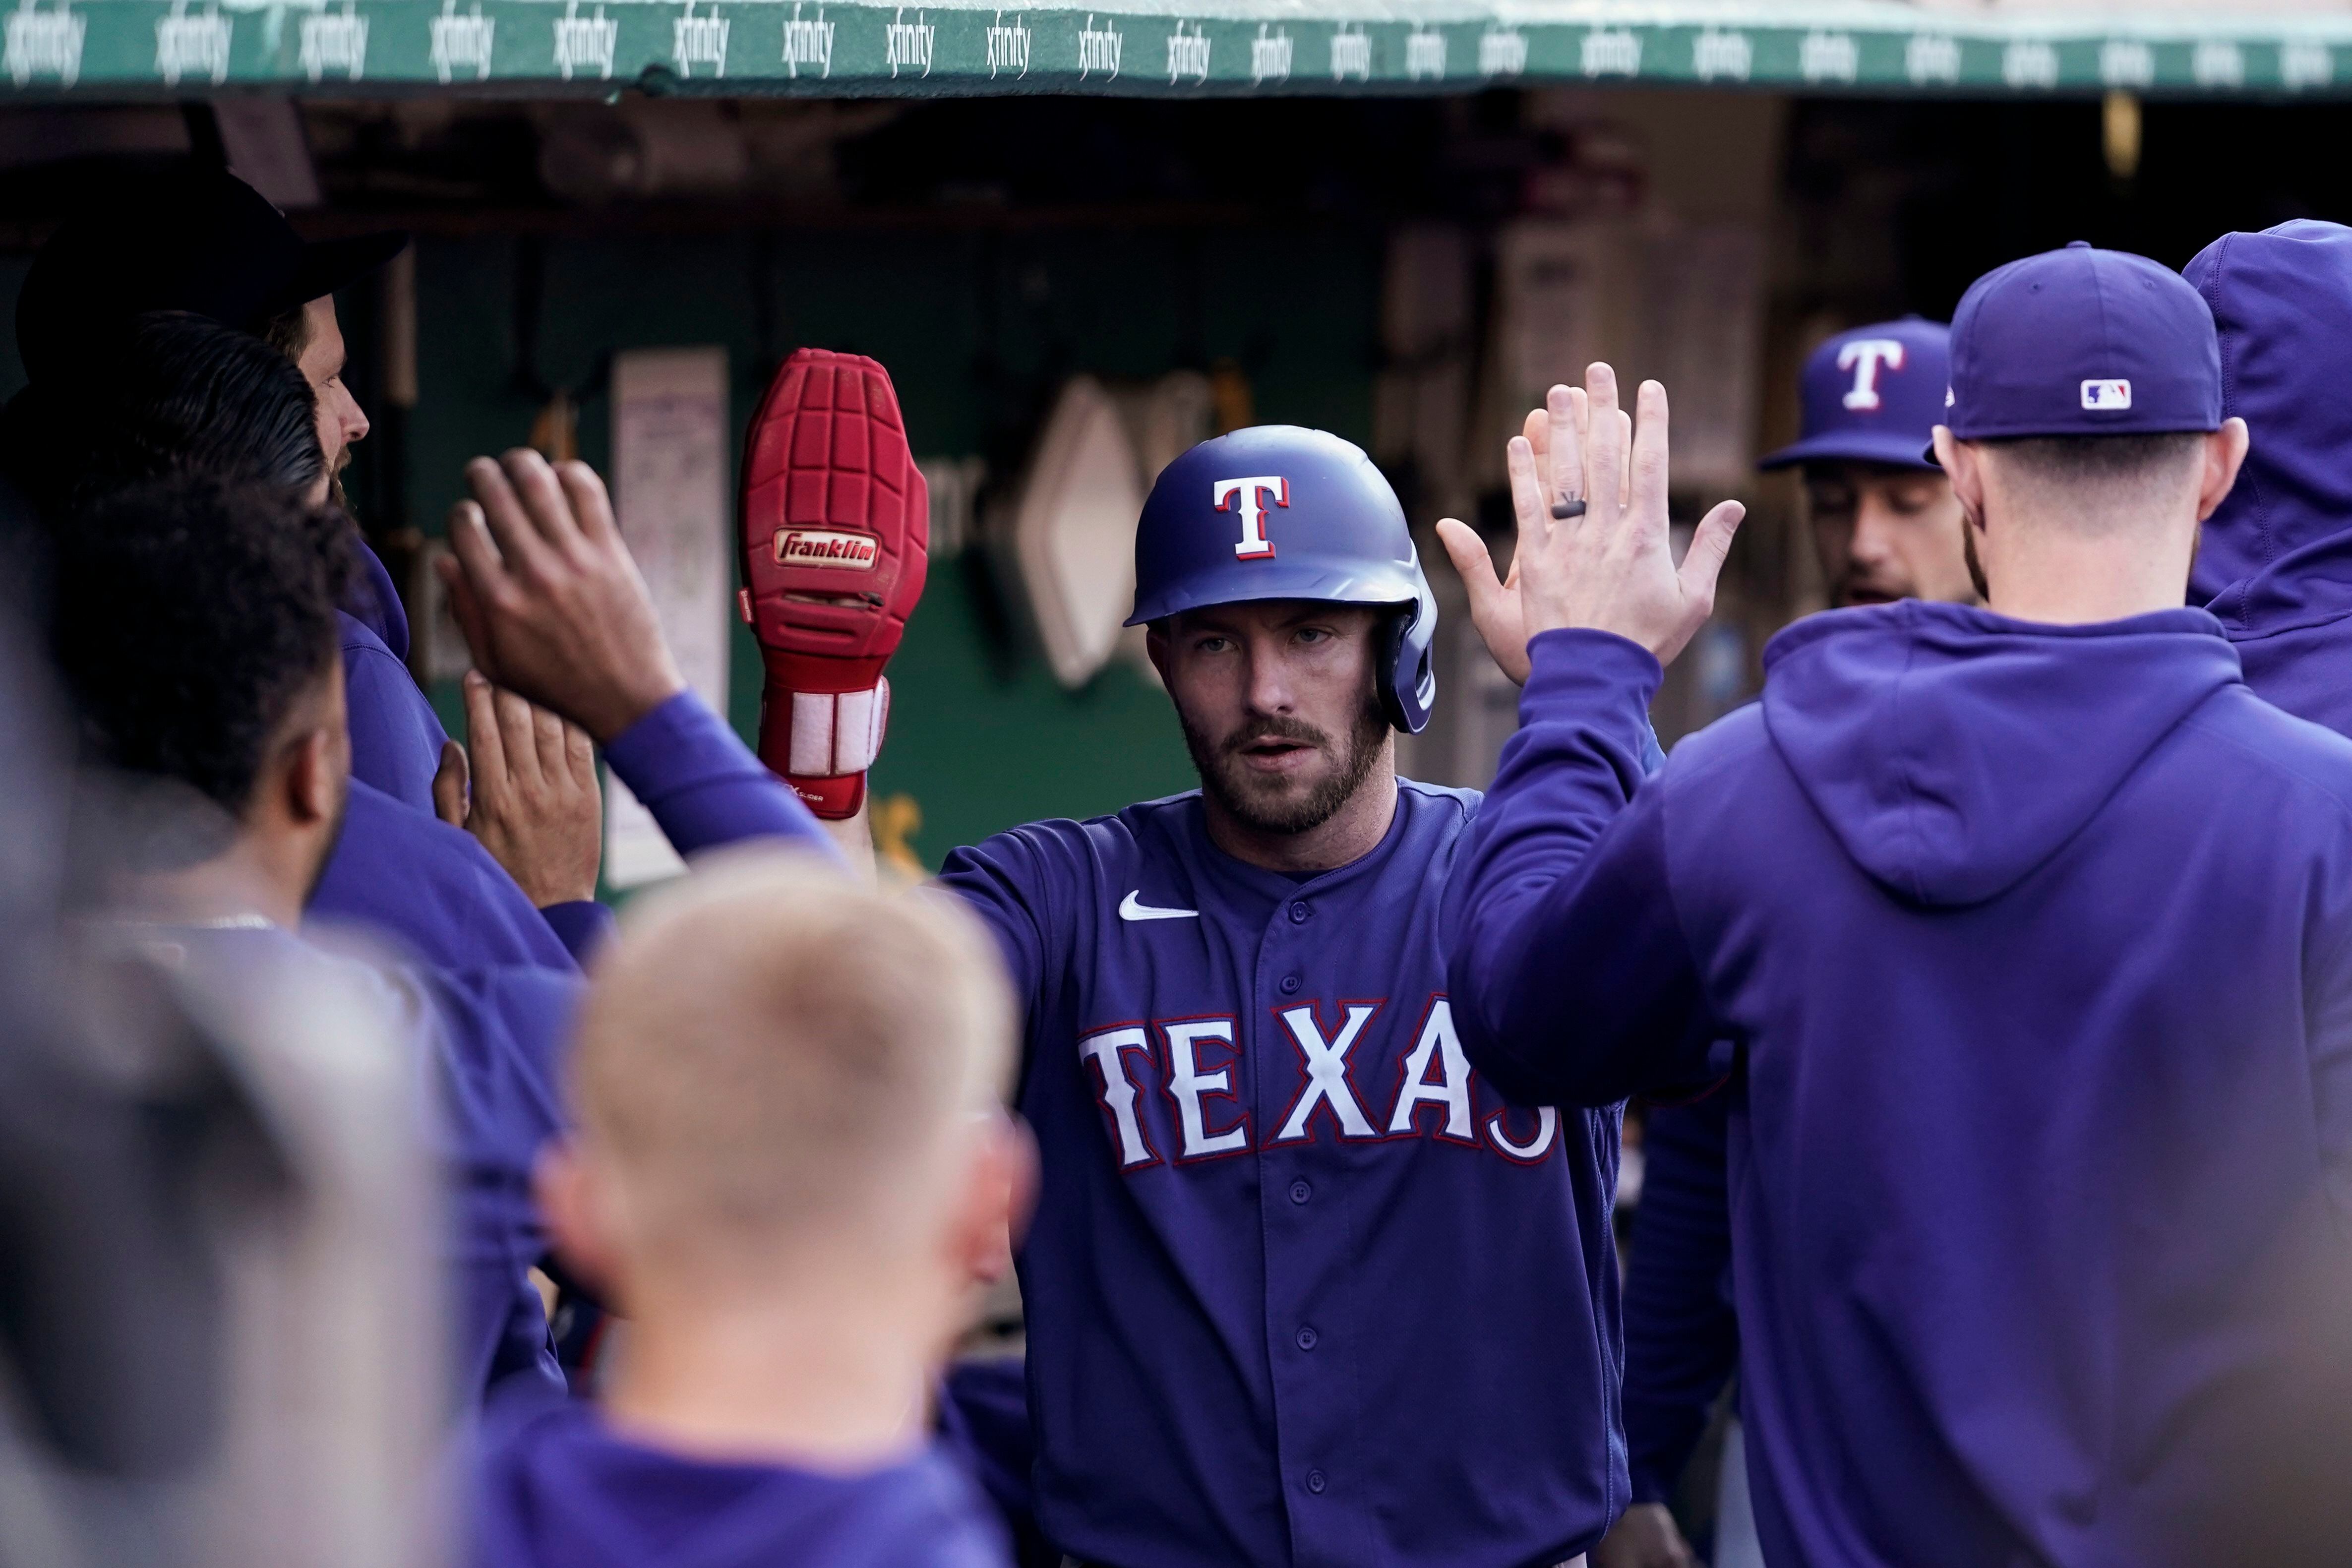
556 1488
2037 944
2276 564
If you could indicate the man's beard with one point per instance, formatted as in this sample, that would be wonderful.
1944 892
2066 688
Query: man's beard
1225 776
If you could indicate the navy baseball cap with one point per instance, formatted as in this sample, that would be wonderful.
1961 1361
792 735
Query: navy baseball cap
2083 341
1873 395
195 239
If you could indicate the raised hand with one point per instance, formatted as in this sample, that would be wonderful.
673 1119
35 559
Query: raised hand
552 603
1608 566
529 795
1495 606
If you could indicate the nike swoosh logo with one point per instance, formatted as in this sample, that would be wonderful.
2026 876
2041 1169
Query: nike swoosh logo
1131 907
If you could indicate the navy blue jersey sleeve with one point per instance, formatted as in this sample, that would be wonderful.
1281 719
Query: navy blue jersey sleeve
582 925
1017 883
1682 1334
703 784
1572 982
432 887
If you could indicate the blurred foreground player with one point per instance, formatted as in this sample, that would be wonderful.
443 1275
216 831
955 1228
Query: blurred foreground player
187 396
1887 527
2041 1243
194 633
790 1164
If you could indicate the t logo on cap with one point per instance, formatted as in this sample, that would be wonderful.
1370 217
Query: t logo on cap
1864 356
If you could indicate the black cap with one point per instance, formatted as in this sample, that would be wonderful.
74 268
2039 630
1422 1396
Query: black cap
198 239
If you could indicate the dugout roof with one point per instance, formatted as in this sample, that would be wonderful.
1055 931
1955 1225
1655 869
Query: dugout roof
1154 47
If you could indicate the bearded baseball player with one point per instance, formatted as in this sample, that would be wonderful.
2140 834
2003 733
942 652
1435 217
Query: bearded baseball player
1301 1289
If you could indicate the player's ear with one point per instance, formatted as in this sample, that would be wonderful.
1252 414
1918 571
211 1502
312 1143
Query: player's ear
998 1194
1155 647
310 777
577 1215
2225 453
1963 462
306 776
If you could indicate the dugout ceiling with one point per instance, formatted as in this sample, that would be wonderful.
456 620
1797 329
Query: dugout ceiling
1147 48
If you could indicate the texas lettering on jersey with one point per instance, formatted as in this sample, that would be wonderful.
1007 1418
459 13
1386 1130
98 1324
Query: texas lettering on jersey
1167 1093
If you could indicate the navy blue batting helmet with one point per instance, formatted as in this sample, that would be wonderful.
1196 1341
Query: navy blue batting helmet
1275 511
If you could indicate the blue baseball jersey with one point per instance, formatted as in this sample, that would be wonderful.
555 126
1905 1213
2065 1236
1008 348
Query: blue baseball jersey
1301 1287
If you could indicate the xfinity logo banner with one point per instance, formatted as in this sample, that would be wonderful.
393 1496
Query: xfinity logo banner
195 47
583 43
1188 52
909 44
1098 50
335 43
1008 48
462 43
808 43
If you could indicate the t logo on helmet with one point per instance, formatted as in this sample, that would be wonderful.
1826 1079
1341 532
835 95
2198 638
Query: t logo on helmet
1254 545
1864 356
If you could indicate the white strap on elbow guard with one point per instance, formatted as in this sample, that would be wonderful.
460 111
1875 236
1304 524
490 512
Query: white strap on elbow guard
836 733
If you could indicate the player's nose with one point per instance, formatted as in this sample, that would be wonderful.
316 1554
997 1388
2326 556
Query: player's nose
354 418
1270 688
1873 531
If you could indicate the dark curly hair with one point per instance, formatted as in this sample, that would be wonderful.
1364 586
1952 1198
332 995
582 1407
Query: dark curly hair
170 392
190 613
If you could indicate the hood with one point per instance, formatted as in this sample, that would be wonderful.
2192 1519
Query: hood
2278 553
1951 751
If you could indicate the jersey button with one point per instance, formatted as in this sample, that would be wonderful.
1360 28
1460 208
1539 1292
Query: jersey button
1306 1338
1290 985
1300 1192
1315 1482
1300 912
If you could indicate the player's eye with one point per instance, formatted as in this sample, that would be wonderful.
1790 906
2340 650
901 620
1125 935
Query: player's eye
1314 633
1212 644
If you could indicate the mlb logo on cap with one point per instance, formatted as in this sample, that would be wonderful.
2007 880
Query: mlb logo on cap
2107 394
2083 341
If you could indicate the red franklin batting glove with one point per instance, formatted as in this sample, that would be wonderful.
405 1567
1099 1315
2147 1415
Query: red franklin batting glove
836 537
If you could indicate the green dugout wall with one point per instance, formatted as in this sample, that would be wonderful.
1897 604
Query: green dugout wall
981 736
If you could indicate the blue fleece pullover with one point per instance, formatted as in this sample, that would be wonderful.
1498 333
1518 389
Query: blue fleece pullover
1682 1334
2275 561
2036 942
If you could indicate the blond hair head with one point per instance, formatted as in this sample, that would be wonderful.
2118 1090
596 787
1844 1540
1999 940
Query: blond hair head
770 1052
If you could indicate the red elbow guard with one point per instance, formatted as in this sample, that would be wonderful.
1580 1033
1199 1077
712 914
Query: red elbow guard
835 536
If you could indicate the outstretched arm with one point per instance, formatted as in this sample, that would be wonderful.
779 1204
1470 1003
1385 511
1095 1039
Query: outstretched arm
1572 980
553 608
